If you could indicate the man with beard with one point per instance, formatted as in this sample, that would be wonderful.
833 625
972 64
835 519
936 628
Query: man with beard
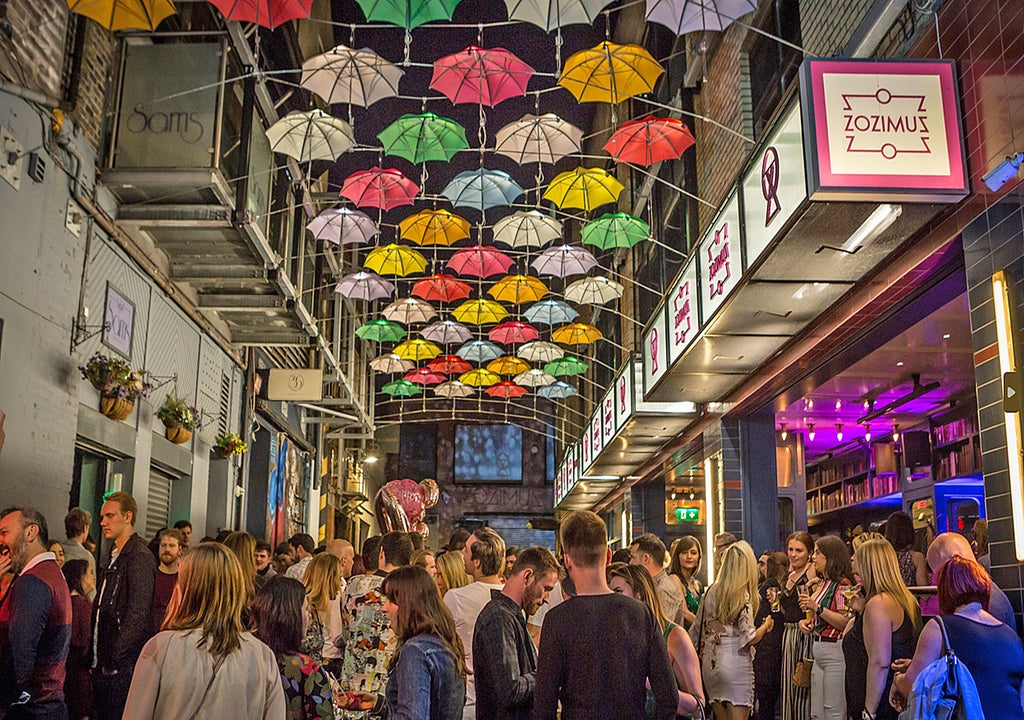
504 656
171 546
35 643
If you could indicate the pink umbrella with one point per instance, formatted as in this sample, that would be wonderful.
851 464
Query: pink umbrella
480 261
379 188
506 389
424 376
481 76
268 13
513 332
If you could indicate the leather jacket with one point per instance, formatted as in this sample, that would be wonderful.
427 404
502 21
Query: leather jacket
124 601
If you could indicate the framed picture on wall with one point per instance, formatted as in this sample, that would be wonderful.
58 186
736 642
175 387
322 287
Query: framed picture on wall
118 322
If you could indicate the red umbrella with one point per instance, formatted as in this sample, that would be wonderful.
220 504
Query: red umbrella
268 13
424 376
649 140
379 188
441 288
480 261
513 332
506 389
481 76
449 364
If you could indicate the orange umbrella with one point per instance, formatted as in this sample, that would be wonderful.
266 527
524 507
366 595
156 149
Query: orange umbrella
576 334
434 227
508 365
518 289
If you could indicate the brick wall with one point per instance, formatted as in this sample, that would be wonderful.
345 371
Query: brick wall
90 102
826 26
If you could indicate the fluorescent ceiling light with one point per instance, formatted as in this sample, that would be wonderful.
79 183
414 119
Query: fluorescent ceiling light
876 224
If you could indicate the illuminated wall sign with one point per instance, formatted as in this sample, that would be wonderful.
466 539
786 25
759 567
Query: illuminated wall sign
719 258
586 457
623 385
596 436
883 130
608 428
683 322
655 349
567 475
775 186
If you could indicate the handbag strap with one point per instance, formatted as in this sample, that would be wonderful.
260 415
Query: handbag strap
202 700
947 649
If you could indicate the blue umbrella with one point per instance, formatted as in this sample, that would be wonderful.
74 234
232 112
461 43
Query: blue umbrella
557 390
479 351
481 189
550 312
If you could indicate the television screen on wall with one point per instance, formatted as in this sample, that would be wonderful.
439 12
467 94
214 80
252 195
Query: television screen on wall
488 453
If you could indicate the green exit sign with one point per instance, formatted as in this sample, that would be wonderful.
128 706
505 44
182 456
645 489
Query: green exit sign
688 514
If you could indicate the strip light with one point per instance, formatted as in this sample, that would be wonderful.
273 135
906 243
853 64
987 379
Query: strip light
709 526
1005 334
875 224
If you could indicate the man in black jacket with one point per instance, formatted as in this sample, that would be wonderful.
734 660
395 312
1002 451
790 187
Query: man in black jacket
121 622
504 656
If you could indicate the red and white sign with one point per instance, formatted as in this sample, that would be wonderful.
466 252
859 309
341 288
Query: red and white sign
655 350
608 417
884 130
624 384
596 437
683 323
721 265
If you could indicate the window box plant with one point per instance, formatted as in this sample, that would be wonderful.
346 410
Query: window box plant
118 384
229 444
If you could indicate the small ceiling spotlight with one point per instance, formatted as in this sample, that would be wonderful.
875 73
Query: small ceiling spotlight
867 433
783 432
895 433
839 404
810 431
839 432
673 494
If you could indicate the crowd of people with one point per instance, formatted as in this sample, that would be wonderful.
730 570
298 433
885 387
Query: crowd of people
232 627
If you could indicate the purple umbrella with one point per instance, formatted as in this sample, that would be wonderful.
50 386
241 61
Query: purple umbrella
342 226
563 260
364 286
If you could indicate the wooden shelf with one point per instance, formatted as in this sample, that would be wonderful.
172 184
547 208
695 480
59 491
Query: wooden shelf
953 443
818 517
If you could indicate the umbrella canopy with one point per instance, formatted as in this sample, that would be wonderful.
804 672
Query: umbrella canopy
379 188
364 286
593 291
551 14
480 261
479 351
394 259
508 365
481 76
684 16
583 188
381 330
576 334
527 228
408 14
449 364
310 135
482 189
454 389
650 140
551 312
424 376
268 13
610 73
409 310
401 388
417 350
557 391
391 363
341 226
506 389
419 138
434 227
441 288
565 366
354 77
518 289
615 230
479 378
117 15
538 138
563 260
480 312
540 351
534 378
446 332
513 331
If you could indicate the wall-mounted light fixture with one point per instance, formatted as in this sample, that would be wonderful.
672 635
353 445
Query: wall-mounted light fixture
783 432
867 433
810 431
1006 332
839 432
895 433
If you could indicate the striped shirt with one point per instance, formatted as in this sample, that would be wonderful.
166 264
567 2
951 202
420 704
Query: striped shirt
829 597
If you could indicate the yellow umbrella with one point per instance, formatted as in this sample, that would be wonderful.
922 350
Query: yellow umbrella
479 378
583 188
434 227
576 334
518 289
394 259
480 312
124 14
610 73
508 365
417 350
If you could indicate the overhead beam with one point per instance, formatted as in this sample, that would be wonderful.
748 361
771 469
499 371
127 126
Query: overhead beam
231 301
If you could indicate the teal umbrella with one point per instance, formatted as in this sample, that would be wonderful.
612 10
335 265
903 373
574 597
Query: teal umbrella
419 138
551 312
381 330
615 230
557 390
408 14
568 365
401 388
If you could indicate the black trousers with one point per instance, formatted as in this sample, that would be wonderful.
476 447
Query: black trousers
46 710
111 693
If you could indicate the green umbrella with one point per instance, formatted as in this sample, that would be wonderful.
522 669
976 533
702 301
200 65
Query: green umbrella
401 388
568 365
615 230
419 138
381 330
407 13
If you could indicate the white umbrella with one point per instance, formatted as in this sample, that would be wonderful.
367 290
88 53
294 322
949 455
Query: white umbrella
527 228
409 310
534 378
391 363
364 286
343 75
540 351
564 260
445 332
342 226
551 14
538 138
593 291
310 135
454 389
684 16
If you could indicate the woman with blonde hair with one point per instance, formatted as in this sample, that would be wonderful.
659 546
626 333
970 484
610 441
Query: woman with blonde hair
451 572
425 559
204 664
885 631
724 634
324 638
243 545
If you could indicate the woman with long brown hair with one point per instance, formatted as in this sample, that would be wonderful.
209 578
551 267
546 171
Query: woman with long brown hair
684 563
243 545
796 647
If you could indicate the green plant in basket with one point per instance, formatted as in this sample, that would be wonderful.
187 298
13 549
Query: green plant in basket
175 412
114 378
230 444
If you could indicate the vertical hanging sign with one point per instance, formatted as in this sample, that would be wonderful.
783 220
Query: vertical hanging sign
608 417
720 258
683 323
655 349
624 384
596 436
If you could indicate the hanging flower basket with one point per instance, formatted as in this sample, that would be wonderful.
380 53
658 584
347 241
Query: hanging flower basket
178 435
221 453
229 444
118 384
116 408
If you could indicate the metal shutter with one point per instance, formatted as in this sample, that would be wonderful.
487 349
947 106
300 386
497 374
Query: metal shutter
158 509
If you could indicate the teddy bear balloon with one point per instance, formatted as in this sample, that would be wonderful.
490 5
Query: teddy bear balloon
400 505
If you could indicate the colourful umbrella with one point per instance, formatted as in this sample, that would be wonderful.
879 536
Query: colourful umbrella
482 189
563 261
540 351
480 312
268 13
434 227
518 289
506 389
685 16
550 312
595 290
650 140
381 330
391 363
527 228
610 73
508 365
551 14
417 350
449 364
481 76
379 188
341 226
576 334
408 14
454 389
479 351
446 332
565 366
615 230
441 288
401 388
364 286
583 188
311 135
480 261
424 376
557 391
538 138
394 259
354 77
409 310
479 378
534 378
419 138
118 15
513 331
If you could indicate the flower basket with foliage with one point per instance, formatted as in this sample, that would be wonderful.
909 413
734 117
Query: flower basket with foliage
118 384
229 444
180 419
